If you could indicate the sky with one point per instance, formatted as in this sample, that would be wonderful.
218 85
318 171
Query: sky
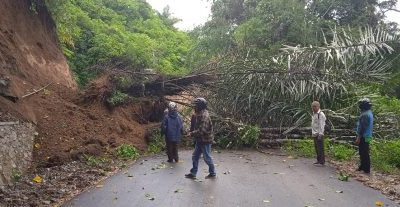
192 12
197 12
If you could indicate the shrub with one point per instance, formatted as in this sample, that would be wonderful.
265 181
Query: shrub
385 156
127 151
117 98
224 142
157 143
249 136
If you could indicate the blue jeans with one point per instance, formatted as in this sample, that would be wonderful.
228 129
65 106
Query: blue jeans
206 150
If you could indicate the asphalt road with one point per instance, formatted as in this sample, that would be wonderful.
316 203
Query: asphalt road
244 178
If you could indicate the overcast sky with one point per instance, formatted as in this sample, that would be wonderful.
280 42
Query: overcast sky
192 12
196 12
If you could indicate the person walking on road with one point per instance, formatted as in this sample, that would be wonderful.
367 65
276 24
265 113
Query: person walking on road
172 128
318 128
202 132
364 133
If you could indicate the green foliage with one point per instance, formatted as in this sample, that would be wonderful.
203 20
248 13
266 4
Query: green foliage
16 175
245 136
94 31
127 151
95 161
224 142
341 152
343 176
302 148
386 104
34 6
385 156
117 98
249 136
305 148
157 143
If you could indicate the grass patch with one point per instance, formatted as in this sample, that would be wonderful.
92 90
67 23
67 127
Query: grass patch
95 161
341 152
305 148
127 151
385 156
301 148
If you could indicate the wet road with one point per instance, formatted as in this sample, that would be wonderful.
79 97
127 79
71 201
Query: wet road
244 178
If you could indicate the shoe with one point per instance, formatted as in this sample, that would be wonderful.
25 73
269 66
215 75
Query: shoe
176 160
210 176
190 176
359 169
318 164
170 161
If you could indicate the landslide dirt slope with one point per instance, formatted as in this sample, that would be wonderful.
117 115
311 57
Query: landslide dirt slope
68 125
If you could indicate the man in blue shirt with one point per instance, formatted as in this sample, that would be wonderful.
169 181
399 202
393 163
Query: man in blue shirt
364 133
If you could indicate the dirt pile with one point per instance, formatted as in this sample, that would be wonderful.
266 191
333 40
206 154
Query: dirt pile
69 122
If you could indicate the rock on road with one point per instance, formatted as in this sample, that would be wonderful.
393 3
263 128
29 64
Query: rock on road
244 178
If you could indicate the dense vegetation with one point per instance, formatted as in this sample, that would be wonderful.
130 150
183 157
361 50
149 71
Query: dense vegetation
95 31
287 53
275 57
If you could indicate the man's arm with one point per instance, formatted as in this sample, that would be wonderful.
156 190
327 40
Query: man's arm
164 125
364 121
322 120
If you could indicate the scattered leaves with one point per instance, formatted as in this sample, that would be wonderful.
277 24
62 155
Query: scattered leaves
38 179
343 176
149 197
266 201
178 191
278 173
379 203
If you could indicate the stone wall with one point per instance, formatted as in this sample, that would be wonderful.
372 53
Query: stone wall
16 146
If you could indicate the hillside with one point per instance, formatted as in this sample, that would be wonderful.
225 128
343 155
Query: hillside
67 126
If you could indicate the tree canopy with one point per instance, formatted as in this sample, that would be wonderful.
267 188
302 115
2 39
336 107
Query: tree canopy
93 31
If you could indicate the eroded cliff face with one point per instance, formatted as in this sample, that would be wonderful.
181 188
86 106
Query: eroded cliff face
30 57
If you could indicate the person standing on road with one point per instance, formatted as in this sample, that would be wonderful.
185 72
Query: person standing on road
318 128
365 126
172 128
202 132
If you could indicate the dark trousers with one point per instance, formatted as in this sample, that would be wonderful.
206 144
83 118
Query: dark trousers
172 151
363 150
319 149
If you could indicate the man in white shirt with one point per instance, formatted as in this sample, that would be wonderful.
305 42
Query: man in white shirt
317 127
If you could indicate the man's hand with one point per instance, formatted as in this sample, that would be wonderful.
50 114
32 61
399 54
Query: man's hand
357 142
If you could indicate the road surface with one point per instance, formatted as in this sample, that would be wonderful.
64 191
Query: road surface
244 179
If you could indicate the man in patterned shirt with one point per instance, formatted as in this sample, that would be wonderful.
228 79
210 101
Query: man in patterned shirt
202 131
